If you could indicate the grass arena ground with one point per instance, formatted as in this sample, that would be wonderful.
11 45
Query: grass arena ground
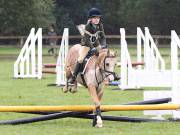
36 92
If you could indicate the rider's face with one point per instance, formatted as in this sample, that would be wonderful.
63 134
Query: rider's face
95 20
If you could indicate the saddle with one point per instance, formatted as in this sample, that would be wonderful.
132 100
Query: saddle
86 60
84 64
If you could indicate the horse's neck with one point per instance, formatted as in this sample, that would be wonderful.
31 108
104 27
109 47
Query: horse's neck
96 62
100 74
101 58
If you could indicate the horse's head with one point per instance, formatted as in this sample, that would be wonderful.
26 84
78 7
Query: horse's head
107 61
109 64
110 61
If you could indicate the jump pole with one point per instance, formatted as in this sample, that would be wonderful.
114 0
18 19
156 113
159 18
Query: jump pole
49 65
85 108
146 102
49 72
152 101
75 115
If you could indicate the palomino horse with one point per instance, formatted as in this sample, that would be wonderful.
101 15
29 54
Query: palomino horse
96 71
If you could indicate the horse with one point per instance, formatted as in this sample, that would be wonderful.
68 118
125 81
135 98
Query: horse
97 69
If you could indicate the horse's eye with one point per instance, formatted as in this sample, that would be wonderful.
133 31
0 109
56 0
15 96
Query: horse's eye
107 64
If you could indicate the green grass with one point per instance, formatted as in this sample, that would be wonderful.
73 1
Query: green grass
36 92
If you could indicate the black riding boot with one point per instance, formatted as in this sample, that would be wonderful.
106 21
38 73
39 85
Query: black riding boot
76 71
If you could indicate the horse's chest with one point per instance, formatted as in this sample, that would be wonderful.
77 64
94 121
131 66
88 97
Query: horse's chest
90 77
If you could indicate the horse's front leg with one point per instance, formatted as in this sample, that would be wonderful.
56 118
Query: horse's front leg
97 121
100 94
93 93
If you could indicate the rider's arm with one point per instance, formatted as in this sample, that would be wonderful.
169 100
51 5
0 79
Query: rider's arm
102 38
86 38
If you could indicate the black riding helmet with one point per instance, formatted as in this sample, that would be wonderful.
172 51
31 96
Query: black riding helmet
94 12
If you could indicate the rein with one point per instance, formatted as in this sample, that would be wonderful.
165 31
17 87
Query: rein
104 71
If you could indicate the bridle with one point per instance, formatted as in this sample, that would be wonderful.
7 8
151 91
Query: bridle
104 72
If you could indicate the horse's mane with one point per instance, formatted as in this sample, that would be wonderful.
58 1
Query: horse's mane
102 54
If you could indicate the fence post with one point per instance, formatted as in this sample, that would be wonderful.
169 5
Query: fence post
175 44
60 65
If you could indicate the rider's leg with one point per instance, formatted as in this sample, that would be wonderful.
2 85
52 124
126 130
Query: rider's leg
82 54
75 73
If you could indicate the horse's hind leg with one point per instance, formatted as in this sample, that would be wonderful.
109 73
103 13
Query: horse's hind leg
66 87
74 88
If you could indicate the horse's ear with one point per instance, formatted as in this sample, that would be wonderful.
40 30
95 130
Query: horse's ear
115 53
112 53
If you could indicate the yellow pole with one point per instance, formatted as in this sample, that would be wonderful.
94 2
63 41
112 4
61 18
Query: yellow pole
88 108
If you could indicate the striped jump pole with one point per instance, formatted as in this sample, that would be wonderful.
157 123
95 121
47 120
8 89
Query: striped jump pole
48 71
85 108
49 65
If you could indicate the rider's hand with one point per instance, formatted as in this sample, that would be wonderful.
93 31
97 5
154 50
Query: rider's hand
94 51
104 46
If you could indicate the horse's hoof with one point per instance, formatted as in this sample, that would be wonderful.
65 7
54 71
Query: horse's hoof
65 89
73 90
99 123
69 88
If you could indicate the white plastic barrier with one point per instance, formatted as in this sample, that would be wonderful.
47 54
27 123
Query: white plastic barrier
155 94
153 73
152 58
175 44
127 81
60 65
175 78
29 61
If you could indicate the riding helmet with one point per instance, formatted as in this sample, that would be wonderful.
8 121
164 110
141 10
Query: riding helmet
93 12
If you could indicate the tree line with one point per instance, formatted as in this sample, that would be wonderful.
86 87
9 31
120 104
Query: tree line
17 17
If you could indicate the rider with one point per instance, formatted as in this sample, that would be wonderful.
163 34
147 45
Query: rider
94 39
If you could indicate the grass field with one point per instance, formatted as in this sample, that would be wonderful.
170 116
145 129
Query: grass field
36 92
